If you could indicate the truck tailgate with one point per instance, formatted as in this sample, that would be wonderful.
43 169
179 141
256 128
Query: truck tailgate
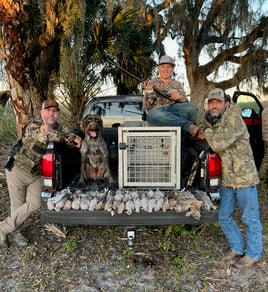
101 217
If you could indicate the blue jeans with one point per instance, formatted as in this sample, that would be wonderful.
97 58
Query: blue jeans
177 114
247 200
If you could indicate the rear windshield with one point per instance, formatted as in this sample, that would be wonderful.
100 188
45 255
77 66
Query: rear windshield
116 113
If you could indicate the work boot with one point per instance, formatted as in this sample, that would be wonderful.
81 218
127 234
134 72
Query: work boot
245 263
20 239
3 240
193 130
230 255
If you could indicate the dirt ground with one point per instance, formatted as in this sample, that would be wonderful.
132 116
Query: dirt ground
97 258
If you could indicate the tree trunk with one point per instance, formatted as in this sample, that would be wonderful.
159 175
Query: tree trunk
21 102
15 57
30 50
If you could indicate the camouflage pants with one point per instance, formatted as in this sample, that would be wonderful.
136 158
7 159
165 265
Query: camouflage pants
263 171
24 193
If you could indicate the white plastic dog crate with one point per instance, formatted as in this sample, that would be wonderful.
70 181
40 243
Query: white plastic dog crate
149 156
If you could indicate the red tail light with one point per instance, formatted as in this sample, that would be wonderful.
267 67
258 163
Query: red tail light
214 165
47 167
214 175
252 121
47 171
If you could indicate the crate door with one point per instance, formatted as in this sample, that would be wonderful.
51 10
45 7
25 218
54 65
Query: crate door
150 159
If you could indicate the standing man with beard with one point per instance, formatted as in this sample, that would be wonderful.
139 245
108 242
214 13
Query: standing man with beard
23 178
227 135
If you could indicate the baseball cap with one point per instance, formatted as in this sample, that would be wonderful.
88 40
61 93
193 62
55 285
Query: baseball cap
50 103
167 60
218 94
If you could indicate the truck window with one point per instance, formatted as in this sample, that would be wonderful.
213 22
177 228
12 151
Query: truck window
250 108
114 113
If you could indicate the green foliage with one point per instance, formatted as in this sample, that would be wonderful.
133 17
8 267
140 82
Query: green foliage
7 124
70 245
180 230
128 253
120 35
177 261
166 245
168 231
68 44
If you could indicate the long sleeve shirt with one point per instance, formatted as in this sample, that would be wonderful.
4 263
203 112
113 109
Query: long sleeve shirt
155 100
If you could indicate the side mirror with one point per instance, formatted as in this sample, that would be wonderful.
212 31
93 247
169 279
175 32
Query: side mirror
246 112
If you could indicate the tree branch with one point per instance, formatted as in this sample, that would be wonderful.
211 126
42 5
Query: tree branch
253 54
151 13
227 55
217 8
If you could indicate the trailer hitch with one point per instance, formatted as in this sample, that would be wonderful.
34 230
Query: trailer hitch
131 235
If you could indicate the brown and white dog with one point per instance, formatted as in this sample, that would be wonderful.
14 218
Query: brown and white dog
94 152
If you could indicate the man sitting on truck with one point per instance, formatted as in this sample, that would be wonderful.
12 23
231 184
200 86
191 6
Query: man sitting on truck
23 169
174 109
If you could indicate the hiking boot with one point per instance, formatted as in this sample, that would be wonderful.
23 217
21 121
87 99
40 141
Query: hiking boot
20 239
245 263
193 130
3 240
230 255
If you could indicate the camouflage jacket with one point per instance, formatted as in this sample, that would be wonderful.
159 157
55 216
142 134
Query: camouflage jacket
265 125
58 134
229 138
153 99
34 144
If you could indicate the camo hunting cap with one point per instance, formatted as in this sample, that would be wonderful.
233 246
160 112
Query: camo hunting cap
167 60
218 94
50 103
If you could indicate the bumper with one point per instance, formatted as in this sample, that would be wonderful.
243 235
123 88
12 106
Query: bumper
80 217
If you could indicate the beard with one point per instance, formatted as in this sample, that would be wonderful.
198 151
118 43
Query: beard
213 117
51 121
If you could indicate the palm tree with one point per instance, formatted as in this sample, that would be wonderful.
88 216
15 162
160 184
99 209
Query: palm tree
119 35
29 45
65 45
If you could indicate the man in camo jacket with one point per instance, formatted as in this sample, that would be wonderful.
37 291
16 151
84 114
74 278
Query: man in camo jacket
263 171
23 178
226 133
173 111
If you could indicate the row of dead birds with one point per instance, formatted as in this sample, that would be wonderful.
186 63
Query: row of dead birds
128 201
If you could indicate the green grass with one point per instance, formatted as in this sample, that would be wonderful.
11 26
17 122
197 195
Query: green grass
70 245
